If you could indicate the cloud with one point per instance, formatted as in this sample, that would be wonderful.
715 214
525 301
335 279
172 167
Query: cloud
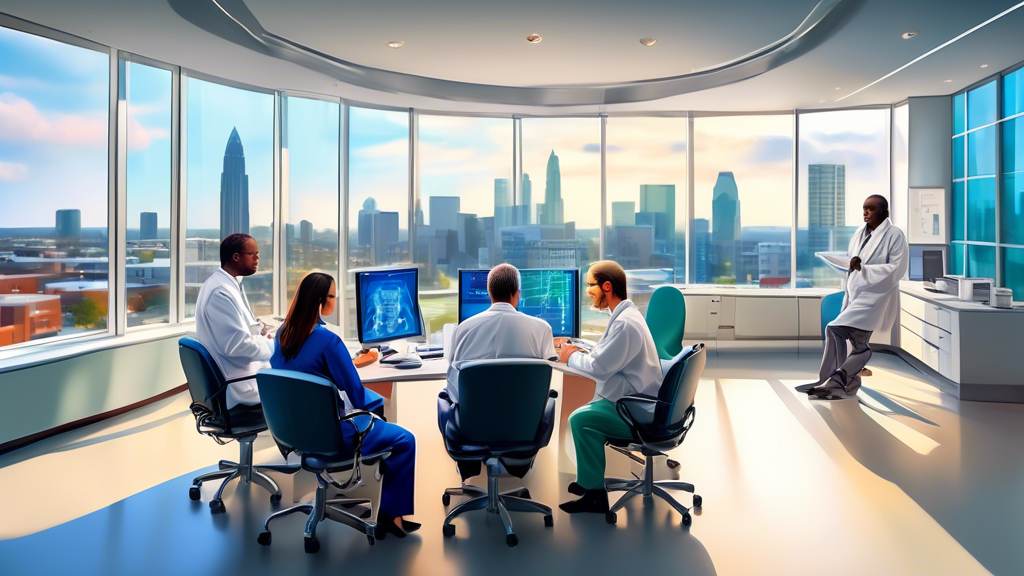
21 121
679 146
843 138
771 149
140 137
13 172
11 82
596 148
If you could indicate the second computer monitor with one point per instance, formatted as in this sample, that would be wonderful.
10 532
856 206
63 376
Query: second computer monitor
387 305
551 295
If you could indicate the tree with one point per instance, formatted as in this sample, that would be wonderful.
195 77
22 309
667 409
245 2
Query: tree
146 256
88 314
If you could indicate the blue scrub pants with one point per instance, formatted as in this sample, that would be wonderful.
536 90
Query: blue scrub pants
398 470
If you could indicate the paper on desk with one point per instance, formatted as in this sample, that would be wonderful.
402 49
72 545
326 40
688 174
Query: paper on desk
838 261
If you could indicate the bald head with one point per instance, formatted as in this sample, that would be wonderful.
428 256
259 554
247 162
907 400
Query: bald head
503 284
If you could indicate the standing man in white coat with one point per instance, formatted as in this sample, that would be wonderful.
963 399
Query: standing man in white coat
226 325
879 257
625 361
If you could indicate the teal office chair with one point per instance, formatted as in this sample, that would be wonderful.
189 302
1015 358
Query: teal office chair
666 318
831 306
303 413
658 430
505 415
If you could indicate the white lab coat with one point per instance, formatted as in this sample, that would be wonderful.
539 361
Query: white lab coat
871 298
499 332
226 325
625 360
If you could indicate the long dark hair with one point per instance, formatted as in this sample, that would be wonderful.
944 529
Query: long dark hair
304 313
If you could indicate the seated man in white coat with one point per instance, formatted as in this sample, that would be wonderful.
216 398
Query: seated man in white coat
878 261
226 325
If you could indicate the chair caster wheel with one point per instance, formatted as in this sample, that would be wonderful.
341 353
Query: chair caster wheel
549 521
446 499
697 501
672 464
512 540
312 545
275 499
610 517
371 539
216 506
263 539
448 530
194 493
687 519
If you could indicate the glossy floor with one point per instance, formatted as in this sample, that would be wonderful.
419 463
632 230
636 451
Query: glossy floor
904 481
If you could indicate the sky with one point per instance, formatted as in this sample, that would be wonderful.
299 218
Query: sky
311 160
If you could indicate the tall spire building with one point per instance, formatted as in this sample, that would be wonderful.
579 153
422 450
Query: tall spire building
551 212
234 189
725 224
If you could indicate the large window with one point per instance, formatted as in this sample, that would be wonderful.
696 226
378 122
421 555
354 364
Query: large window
230 184
310 181
147 93
901 166
743 190
54 114
466 200
844 158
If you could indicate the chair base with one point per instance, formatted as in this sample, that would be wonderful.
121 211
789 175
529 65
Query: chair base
245 472
648 487
494 502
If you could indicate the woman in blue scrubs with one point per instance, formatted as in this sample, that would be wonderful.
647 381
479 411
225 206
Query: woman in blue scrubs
305 345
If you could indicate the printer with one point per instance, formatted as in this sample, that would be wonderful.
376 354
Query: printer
968 289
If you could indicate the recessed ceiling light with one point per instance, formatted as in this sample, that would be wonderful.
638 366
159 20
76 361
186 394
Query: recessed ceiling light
838 88
394 44
947 81
821 101
648 41
534 39
90 29
909 34
984 65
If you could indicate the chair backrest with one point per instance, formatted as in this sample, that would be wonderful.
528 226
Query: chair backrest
680 386
302 412
202 374
502 400
666 319
831 306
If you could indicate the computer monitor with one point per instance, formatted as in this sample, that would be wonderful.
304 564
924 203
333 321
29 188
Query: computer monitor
931 265
387 305
551 295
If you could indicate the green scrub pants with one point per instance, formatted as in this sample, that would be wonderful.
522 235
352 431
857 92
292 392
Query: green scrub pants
591 425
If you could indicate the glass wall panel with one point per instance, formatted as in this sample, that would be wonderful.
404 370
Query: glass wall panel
981 210
563 158
981 152
901 166
1013 93
54 114
1012 209
843 160
466 196
310 182
959 207
1013 271
148 178
981 261
956 257
958 158
229 185
646 191
981 105
959 113
1013 145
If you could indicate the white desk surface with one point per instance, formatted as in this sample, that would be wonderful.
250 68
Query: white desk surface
710 290
916 289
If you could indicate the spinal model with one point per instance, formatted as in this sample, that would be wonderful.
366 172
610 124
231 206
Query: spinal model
387 304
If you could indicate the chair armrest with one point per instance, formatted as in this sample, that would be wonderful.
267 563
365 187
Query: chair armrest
552 393
443 395
547 423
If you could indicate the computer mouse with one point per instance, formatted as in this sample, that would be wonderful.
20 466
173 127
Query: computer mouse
408 364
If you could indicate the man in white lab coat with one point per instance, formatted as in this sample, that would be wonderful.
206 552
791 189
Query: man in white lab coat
226 325
625 361
879 257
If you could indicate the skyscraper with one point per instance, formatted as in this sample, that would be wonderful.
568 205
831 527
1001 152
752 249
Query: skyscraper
385 235
443 212
504 212
551 212
661 200
826 195
148 226
69 223
725 224
702 253
234 189
623 213
524 207
365 222
305 232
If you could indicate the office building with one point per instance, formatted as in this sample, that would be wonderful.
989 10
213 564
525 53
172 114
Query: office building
306 232
234 189
524 207
148 226
623 213
660 200
551 212
725 225
444 212
69 224
365 224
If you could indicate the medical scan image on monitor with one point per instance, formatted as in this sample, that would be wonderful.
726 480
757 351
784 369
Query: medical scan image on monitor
473 297
551 295
387 306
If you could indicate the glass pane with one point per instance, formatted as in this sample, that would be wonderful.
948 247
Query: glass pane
981 210
958 158
1013 271
646 227
1013 145
563 157
981 152
959 207
1013 93
959 111
148 177
230 185
843 160
54 113
956 257
981 105
981 261
900 165
1012 209
465 186
309 162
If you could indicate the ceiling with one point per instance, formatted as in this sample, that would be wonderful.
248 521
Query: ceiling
585 43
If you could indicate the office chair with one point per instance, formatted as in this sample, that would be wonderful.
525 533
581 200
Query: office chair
831 306
666 319
505 415
658 430
208 388
304 415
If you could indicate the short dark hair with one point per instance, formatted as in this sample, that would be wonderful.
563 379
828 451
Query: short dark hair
609 271
233 244
503 282
885 204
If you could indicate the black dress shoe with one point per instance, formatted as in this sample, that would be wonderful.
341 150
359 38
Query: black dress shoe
591 501
575 488
386 525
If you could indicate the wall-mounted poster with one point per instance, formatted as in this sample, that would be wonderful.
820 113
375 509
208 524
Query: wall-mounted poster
927 216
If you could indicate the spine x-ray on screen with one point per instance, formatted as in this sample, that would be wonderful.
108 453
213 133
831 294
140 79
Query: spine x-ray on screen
388 307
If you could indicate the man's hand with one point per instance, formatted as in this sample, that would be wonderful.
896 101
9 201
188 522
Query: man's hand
565 352
855 263
561 341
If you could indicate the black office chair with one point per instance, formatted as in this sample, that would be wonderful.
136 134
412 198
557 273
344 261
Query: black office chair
304 415
208 389
505 415
658 430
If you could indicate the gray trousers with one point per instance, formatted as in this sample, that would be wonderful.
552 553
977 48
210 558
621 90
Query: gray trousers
836 356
